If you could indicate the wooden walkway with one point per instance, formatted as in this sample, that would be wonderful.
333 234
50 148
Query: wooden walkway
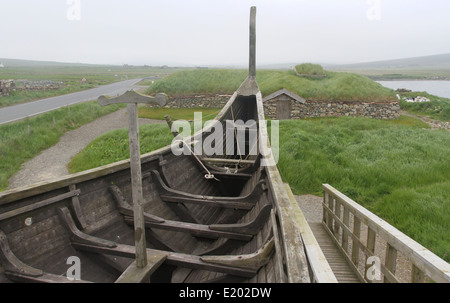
338 264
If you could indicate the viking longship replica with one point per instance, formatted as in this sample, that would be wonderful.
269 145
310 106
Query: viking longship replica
201 218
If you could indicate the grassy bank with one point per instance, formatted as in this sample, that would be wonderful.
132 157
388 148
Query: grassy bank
334 87
438 108
17 145
113 146
398 169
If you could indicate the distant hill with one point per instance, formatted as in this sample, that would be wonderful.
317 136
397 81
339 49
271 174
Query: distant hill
441 61
34 63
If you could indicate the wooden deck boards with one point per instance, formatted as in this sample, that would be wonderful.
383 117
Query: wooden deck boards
339 266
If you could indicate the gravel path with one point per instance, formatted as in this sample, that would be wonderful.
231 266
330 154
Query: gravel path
52 162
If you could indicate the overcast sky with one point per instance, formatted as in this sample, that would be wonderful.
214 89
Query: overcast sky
210 32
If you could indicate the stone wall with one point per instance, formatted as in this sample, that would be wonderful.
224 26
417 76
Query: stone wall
299 110
212 101
6 86
38 85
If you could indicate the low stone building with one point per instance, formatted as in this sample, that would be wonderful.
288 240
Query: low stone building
284 104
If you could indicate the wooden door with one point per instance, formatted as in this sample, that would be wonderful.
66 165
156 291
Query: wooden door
283 109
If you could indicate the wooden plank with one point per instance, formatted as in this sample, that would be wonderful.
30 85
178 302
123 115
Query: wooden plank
355 244
249 261
317 261
227 161
279 273
344 231
342 270
208 202
433 266
371 237
390 261
134 274
37 205
252 227
417 275
195 229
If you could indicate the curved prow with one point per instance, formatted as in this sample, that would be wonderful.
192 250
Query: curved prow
249 86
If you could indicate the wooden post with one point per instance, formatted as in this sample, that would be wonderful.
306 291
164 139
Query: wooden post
132 99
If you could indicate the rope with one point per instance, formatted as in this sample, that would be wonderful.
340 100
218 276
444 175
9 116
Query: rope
208 176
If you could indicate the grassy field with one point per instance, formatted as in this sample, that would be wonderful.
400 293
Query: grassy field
71 75
18 146
398 169
334 87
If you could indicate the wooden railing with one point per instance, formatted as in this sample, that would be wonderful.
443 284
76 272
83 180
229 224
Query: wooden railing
377 251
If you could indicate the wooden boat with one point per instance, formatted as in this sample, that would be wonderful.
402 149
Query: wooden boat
207 218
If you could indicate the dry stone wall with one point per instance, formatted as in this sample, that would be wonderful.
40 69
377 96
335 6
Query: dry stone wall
207 101
390 110
6 87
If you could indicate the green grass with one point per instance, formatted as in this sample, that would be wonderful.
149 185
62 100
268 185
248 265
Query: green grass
396 169
438 107
18 146
310 69
114 146
334 87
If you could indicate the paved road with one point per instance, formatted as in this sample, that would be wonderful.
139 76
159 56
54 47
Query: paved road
17 112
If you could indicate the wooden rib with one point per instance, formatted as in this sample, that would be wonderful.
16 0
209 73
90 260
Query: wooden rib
76 234
248 227
77 208
250 261
11 263
176 259
126 209
195 229
207 201
165 190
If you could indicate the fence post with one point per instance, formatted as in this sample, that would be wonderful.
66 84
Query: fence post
391 260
